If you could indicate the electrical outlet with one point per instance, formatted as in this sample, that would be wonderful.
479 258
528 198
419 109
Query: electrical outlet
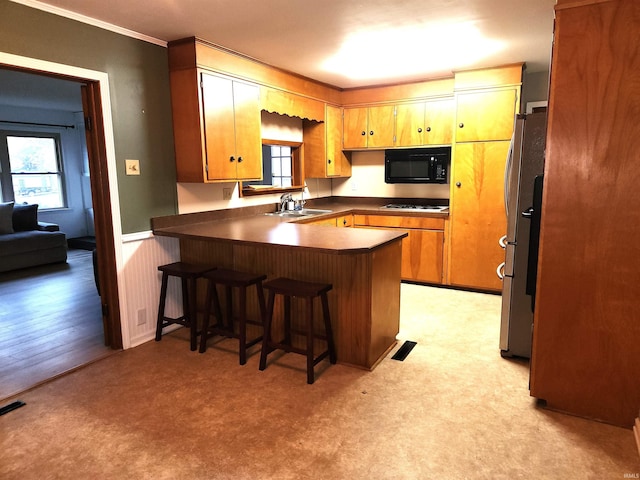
142 316
227 193
354 186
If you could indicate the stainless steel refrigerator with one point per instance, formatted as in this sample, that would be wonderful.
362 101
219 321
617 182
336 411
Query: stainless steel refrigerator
525 162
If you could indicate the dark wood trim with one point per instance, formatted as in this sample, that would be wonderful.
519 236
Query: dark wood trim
100 192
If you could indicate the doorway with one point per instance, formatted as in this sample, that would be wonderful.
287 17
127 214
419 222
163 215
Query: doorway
93 89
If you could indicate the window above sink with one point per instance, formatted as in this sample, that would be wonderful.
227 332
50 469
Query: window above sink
281 169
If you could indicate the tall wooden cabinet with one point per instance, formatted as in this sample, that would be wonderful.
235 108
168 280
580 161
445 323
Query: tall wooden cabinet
586 341
484 126
478 218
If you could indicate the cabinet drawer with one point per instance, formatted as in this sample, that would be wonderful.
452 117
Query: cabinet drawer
344 221
424 223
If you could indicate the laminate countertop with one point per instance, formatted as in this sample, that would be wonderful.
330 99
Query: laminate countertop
250 226
276 231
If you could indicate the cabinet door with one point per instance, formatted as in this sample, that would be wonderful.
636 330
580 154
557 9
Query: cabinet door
336 159
477 214
410 124
219 132
246 104
422 256
485 116
344 221
422 249
381 123
438 121
355 127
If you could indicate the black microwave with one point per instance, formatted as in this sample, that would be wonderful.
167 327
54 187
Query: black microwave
417 165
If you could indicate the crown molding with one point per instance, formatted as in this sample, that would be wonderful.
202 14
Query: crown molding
90 21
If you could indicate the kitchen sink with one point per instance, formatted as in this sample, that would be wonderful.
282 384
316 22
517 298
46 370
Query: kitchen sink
305 212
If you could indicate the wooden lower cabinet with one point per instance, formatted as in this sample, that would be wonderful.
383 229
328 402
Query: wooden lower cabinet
330 222
341 221
477 215
344 221
422 250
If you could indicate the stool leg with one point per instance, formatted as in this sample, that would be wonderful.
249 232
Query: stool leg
204 335
229 296
261 302
161 305
266 337
310 375
242 325
287 320
217 308
327 327
192 309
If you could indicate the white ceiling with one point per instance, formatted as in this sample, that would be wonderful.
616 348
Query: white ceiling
300 35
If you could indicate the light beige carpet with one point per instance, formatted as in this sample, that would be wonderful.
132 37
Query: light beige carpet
453 409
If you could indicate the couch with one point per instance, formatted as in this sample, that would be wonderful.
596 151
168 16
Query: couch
25 242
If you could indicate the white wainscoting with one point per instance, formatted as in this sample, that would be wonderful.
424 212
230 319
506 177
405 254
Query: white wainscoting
142 254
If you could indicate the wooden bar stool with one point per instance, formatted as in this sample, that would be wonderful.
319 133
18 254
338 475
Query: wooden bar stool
294 288
188 274
230 279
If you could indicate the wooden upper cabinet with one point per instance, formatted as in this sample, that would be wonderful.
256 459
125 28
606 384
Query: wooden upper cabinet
338 163
323 155
438 122
424 123
231 113
369 127
410 130
215 119
355 127
486 115
477 214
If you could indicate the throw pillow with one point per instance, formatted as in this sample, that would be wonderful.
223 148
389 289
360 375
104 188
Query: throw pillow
25 217
6 214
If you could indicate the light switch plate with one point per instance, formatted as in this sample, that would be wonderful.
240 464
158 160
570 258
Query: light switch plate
132 167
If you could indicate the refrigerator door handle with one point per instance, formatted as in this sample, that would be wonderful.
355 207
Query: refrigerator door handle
503 241
507 175
500 271
528 213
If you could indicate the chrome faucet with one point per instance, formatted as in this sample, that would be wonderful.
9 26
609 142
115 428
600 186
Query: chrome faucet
284 198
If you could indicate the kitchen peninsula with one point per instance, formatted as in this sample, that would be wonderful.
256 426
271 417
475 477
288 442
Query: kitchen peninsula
362 265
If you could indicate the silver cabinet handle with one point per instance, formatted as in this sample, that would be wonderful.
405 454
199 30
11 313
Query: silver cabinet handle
503 241
500 271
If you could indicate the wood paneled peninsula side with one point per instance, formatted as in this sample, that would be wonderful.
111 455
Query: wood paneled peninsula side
362 265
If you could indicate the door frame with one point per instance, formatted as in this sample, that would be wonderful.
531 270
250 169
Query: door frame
104 183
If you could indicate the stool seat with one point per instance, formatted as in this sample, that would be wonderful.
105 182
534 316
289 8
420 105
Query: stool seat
296 288
290 288
230 279
188 273
184 270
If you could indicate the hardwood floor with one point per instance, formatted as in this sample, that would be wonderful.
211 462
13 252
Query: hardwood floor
50 322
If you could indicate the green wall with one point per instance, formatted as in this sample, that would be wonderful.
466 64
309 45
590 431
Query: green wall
140 99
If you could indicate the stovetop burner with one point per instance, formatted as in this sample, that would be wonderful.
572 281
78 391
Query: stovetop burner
404 206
